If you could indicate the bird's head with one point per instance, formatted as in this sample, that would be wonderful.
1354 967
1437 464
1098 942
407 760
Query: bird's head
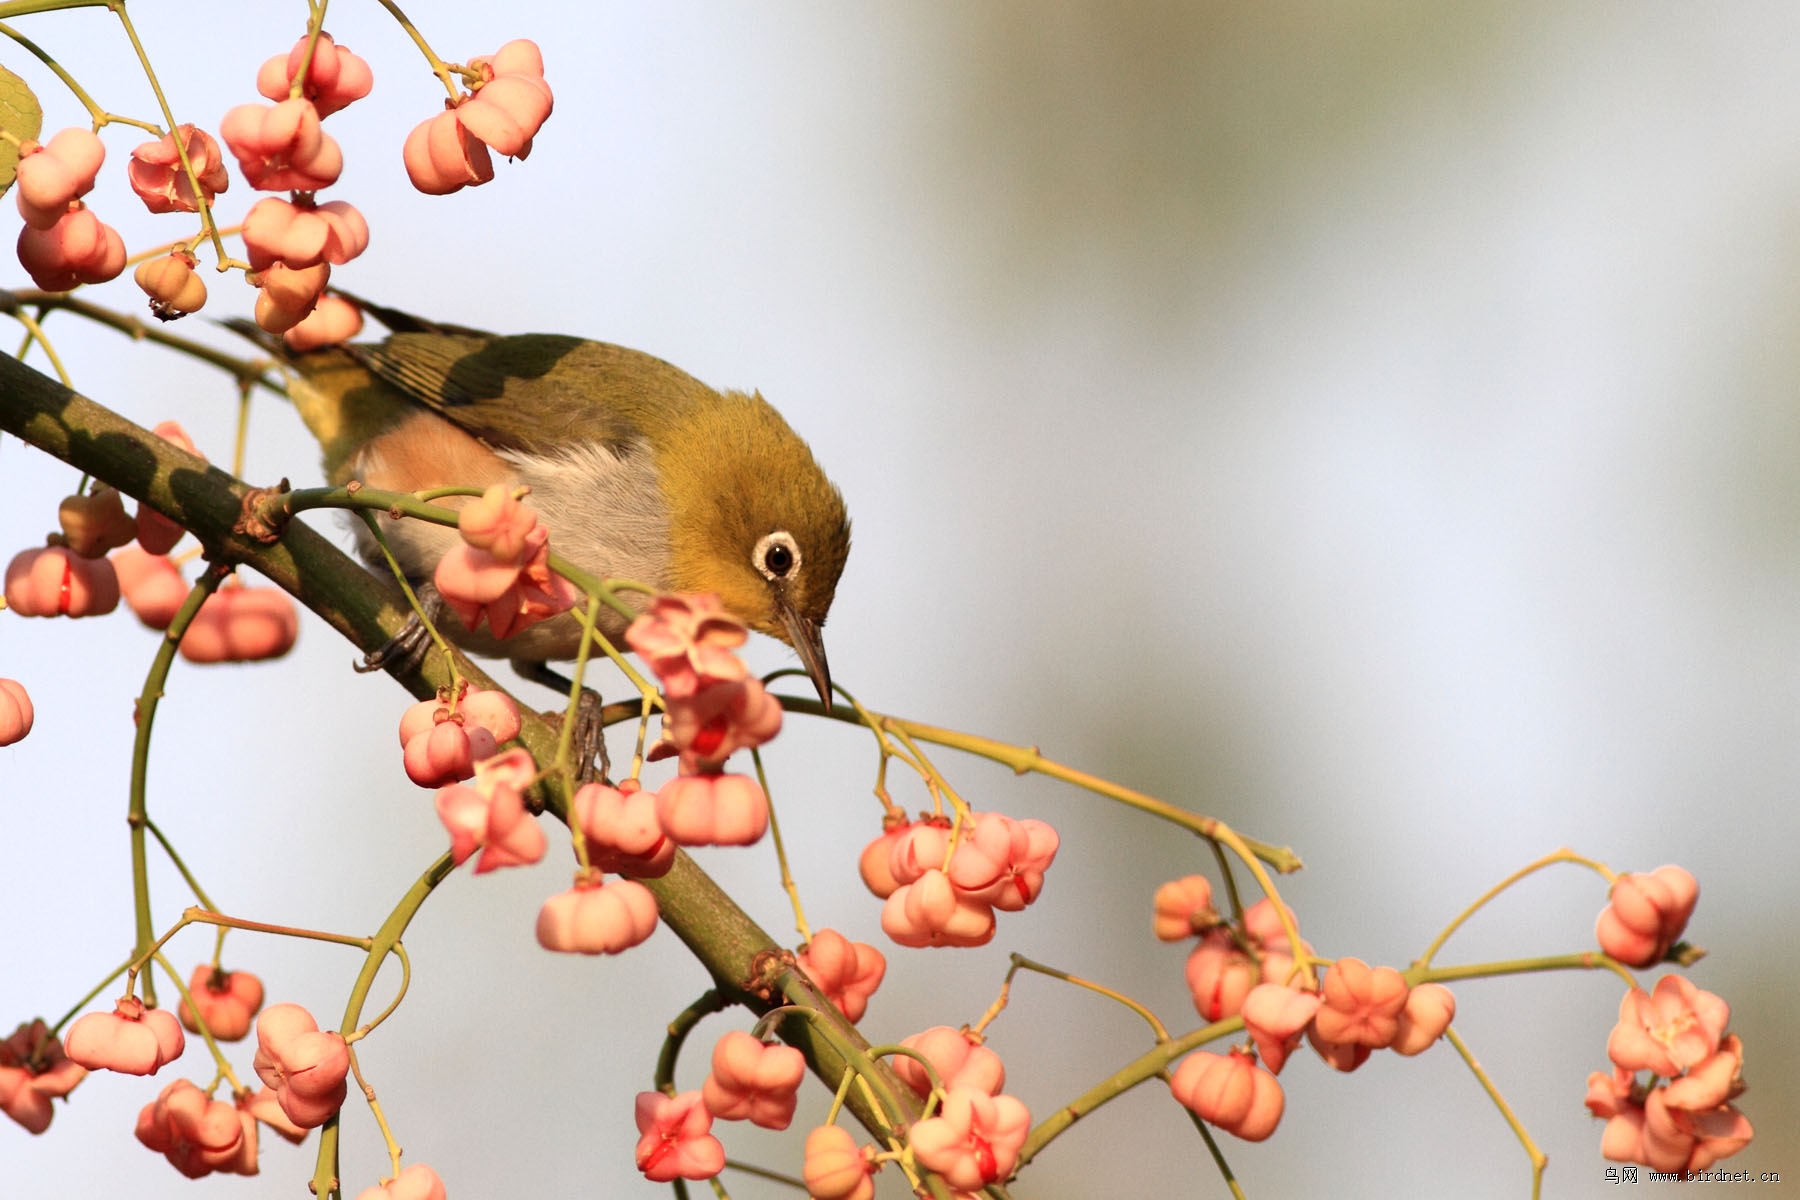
753 519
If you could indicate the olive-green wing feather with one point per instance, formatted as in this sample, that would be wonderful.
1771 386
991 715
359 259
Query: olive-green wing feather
535 391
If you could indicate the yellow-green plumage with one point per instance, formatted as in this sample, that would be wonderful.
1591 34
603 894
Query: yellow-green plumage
638 469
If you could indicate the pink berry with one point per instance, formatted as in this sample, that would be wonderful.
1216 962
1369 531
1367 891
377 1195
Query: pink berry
930 912
834 1169
227 1000
16 713
77 248
1002 862
335 78
157 177
1646 914
242 624
197 1134
306 1067
1184 908
1231 1092
171 284
131 1039
1362 1004
490 814
957 1056
623 834
1430 1008
33 1071
93 524
1276 1016
594 918
54 582
54 175
847 972
332 322
441 156
752 1080
975 1138
416 1182
303 235
281 147
675 1139
152 584
712 810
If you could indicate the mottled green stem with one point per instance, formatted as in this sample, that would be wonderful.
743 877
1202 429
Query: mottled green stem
137 818
325 1182
711 1001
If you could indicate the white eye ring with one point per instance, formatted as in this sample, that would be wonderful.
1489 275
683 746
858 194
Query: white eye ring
780 545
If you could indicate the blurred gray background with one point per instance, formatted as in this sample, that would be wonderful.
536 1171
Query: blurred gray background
1373 425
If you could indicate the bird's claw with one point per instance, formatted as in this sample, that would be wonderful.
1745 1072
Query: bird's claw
405 650
590 730
590 738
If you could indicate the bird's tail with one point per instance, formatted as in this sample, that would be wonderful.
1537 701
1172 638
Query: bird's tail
400 321
269 343
396 320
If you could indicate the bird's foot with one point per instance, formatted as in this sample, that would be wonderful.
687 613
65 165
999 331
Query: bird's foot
406 650
590 731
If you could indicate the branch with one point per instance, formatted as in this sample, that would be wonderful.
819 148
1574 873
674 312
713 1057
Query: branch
745 961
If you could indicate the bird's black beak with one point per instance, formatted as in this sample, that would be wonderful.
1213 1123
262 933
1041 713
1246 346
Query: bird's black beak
803 635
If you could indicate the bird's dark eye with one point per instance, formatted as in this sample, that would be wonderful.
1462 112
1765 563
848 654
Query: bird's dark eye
776 555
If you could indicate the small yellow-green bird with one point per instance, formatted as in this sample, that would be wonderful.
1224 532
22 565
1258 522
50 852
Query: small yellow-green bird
639 470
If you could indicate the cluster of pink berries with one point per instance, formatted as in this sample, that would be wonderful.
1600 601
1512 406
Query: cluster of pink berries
942 883
976 1135
1248 970
971 1136
753 1080
291 243
303 1071
500 573
1680 1116
63 243
74 576
714 708
500 570
441 740
449 152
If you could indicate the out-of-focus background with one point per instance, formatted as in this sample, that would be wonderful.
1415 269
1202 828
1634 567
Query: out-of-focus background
1372 425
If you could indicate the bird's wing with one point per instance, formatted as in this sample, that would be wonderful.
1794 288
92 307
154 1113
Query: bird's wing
534 392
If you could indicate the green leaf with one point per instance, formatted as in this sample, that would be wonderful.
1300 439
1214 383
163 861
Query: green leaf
21 116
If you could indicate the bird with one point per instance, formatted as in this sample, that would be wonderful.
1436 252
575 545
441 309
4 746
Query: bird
639 470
